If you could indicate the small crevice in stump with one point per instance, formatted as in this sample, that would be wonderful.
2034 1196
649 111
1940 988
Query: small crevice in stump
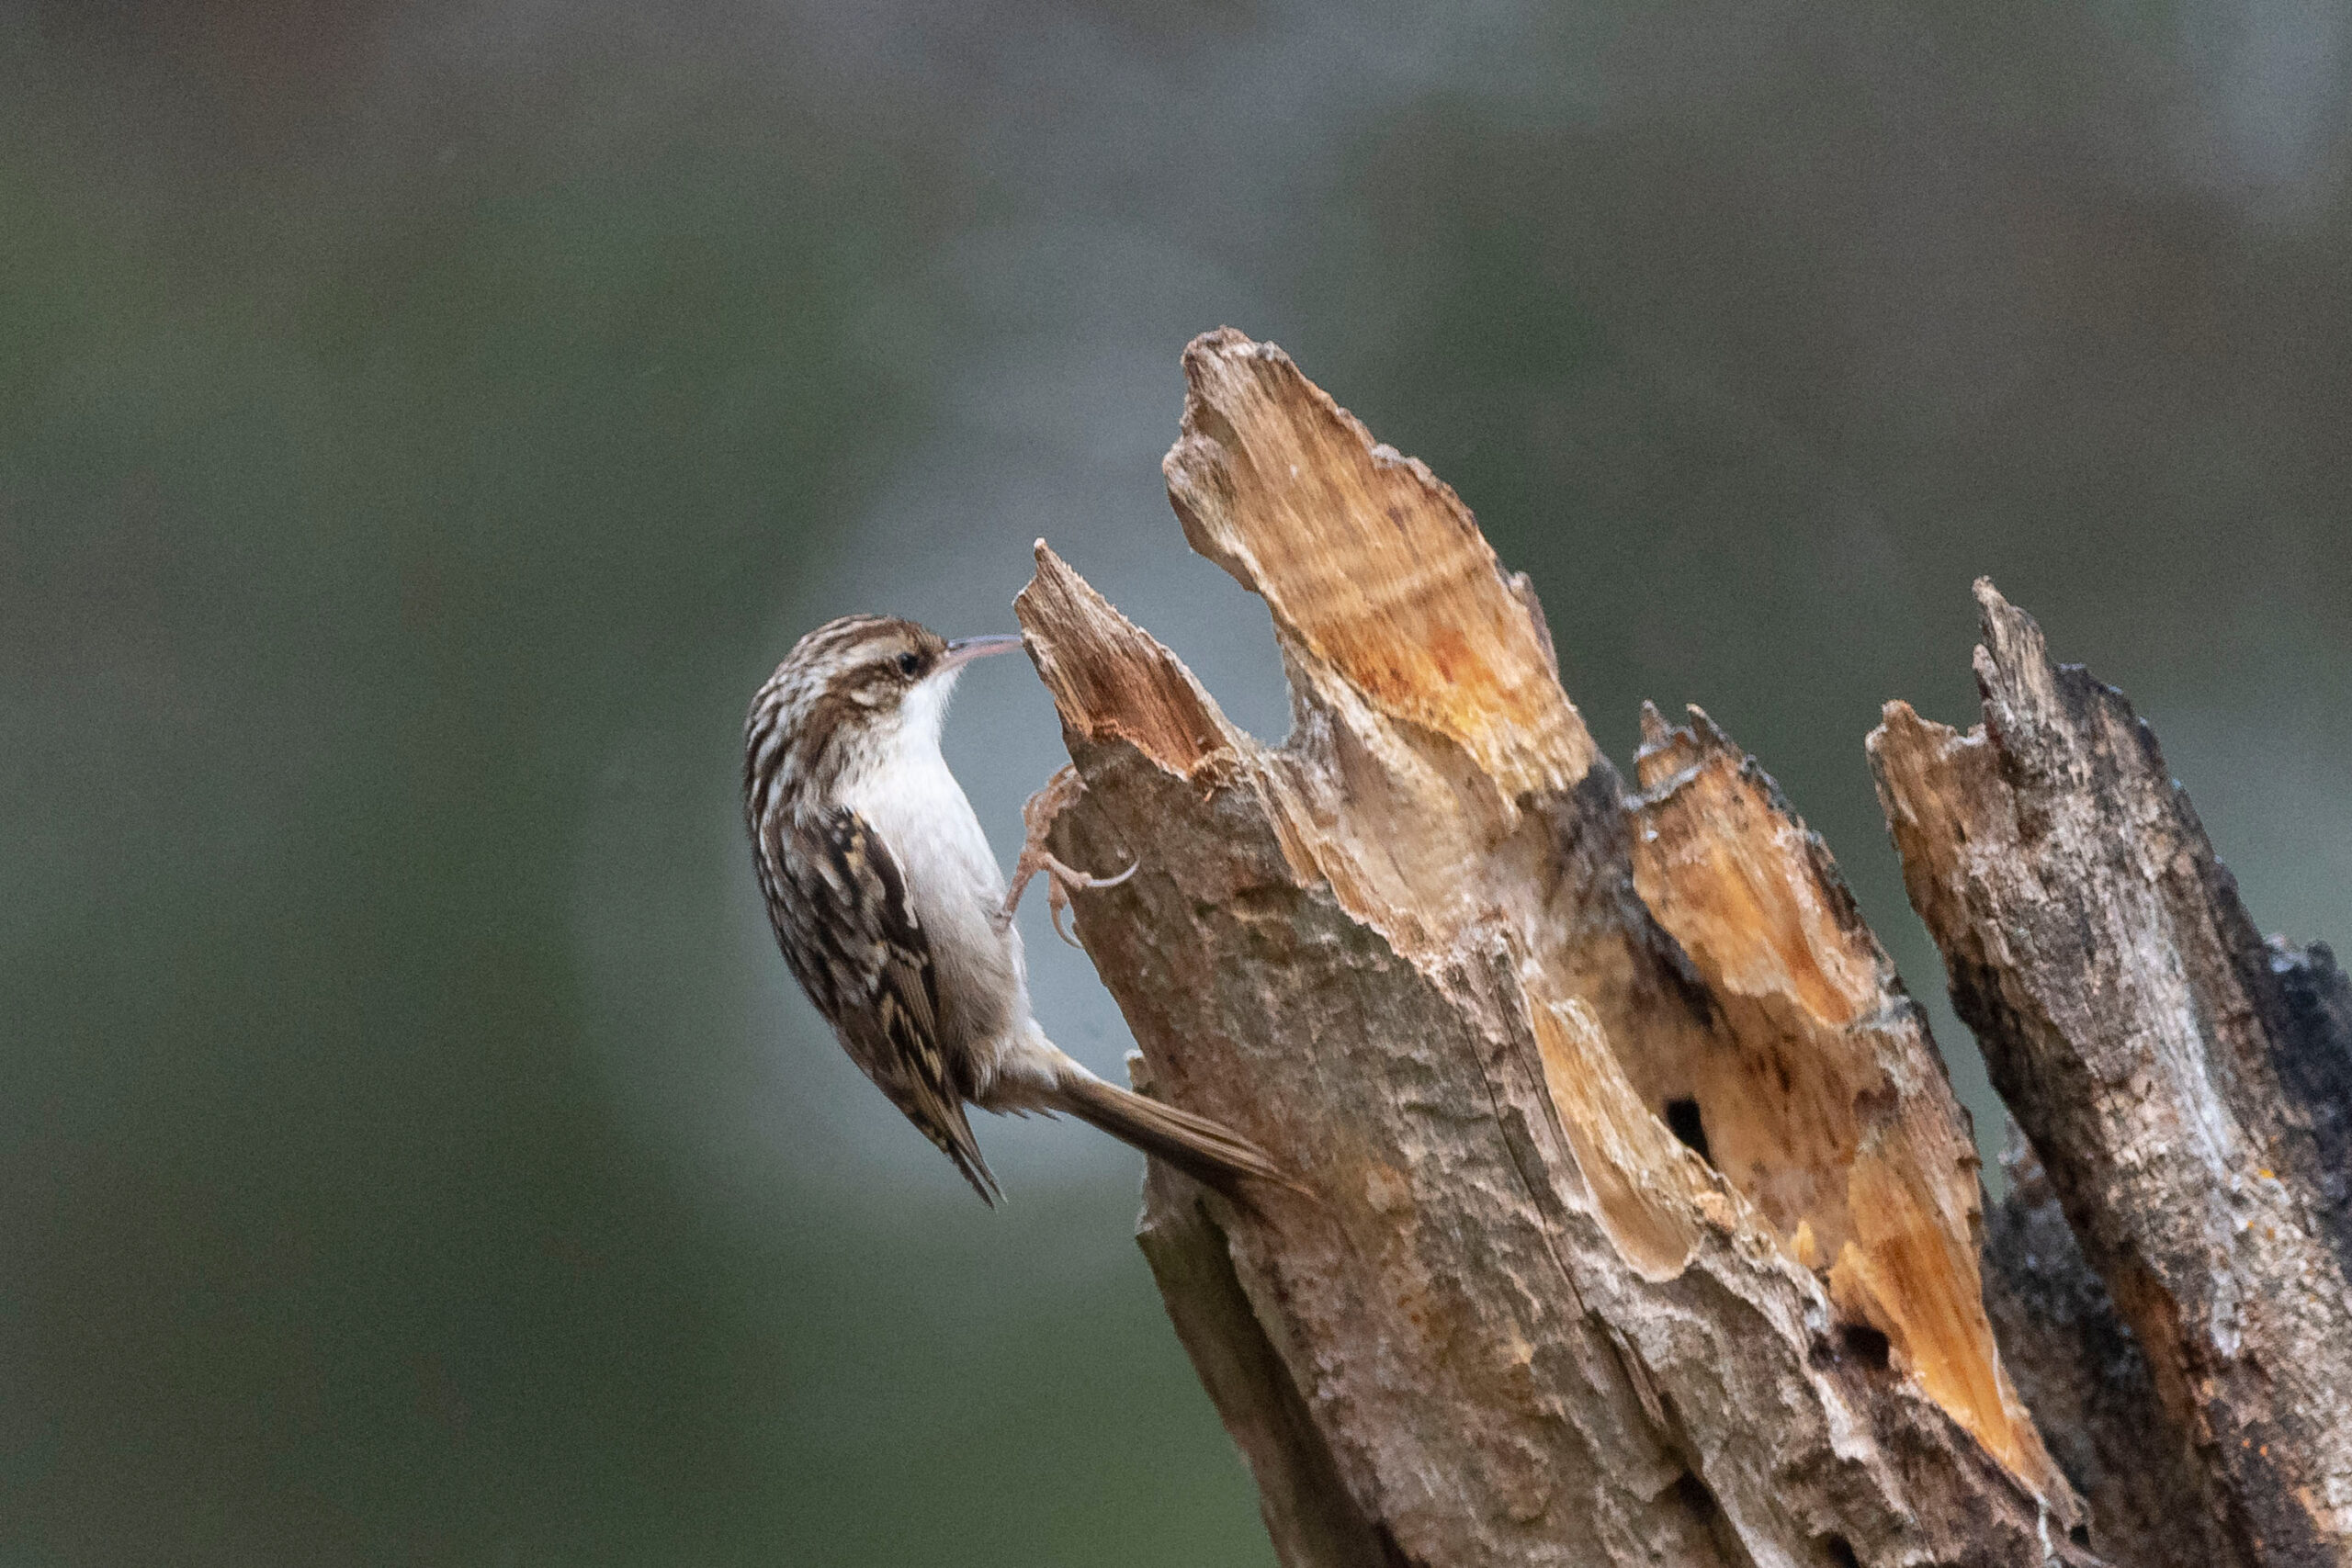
1712 1522
1860 1342
1683 1119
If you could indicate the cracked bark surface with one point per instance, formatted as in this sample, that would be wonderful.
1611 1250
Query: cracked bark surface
2080 1368
1644 1225
2187 1086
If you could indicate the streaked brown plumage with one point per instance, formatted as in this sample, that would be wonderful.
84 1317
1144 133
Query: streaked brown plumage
889 906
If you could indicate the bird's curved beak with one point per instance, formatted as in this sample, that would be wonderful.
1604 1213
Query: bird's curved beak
962 651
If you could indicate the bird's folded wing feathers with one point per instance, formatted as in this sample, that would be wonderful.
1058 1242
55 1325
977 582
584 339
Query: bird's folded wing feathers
854 919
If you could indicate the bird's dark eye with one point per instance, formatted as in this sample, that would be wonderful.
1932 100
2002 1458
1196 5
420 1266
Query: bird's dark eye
910 663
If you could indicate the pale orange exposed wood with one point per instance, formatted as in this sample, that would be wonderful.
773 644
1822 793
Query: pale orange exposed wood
1819 1090
1432 955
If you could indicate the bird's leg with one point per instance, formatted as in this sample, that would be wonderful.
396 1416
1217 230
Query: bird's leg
1038 816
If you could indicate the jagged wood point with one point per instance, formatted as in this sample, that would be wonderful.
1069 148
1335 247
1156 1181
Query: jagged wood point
1643 1226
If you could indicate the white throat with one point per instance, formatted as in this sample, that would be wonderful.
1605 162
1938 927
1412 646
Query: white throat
902 787
923 714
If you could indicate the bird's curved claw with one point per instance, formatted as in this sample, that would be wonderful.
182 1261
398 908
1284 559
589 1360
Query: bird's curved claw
1060 880
1057 903
1081 879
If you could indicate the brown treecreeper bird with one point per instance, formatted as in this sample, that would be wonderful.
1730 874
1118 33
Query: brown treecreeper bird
891 909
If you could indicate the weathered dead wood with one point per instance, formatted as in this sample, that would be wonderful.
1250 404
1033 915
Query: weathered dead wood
2079 1366
1645 1223
1310 1516
2186 1086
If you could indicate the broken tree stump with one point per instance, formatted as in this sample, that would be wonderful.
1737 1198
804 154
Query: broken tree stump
1643 1225
2187 1086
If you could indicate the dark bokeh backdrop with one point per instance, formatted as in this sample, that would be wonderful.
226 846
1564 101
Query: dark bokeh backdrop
422 425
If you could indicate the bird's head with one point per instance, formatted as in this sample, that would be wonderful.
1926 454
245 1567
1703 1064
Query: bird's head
851 693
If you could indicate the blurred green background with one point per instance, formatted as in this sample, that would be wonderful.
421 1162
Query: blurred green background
422 425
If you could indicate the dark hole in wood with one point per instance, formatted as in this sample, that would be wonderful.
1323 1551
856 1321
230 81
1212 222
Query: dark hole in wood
1391 1554
2081 1536
1866 1344
1683 1119
1840 1551
1695 1495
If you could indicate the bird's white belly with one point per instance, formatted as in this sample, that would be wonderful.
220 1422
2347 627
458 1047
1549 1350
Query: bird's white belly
923 818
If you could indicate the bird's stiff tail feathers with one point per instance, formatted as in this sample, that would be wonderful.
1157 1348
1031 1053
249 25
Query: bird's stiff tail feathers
1205 1150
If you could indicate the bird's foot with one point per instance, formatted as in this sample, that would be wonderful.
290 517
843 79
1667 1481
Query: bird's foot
1038 815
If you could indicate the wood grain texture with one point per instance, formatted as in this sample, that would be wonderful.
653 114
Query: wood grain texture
1819 1090
1432 955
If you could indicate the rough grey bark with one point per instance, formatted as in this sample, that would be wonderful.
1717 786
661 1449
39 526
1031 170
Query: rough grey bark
2184 1083
1310 1516
1643 1226
2079 1366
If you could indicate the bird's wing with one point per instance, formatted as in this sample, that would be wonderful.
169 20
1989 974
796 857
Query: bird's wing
848 927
